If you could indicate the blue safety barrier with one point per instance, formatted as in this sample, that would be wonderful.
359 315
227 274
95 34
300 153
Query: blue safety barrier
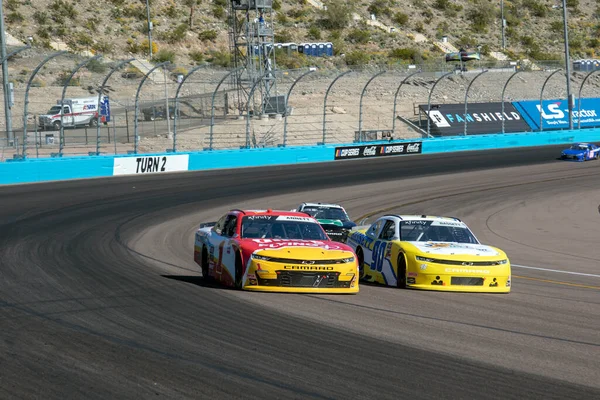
66 168
555 113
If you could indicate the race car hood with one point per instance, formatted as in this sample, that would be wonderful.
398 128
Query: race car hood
455 249
573 152
304 249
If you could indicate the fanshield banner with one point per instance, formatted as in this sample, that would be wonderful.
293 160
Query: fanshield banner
555 113
482 118
377 150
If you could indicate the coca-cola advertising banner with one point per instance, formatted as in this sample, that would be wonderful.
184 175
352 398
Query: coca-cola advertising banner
378 150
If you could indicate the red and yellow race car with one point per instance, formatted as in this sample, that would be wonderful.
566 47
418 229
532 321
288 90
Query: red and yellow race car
274 251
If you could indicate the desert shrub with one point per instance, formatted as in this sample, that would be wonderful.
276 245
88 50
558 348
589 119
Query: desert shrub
196 56
380 7
294 60
480 19
145 47
283 37
314 33
220 57
40 17
400 18
164 55
15 17
96 66
63 8
218 12
405 54
177 34
209 35
357 58
37 82
63 76
338 14
359 36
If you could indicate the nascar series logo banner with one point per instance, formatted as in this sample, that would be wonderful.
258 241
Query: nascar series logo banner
482 118
555 113
377 150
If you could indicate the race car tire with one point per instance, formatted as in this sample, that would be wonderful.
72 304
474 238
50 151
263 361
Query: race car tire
361 260
239 273
401 270
204 265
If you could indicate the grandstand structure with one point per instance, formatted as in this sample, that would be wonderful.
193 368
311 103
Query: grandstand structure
251 39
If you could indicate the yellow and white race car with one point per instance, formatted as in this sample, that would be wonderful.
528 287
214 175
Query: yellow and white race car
429 252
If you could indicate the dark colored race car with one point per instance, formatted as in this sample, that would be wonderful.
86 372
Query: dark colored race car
332 217
581 152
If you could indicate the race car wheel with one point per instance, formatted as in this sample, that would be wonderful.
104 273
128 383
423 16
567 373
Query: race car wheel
205 265
361 261
239 273
401 271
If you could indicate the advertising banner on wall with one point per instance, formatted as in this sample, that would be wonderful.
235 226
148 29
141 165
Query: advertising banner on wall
150 164
555 113
377 150
482 118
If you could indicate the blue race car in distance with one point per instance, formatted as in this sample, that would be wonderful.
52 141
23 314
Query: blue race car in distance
581 152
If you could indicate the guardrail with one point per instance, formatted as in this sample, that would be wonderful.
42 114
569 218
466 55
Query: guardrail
66 168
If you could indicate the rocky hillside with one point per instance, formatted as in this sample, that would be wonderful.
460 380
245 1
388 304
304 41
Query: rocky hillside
194 31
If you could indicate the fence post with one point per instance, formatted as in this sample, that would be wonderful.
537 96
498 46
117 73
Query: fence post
136 137
325 103
579 98
176 117
503 91
33 74
285 117
360 103
542 98
112 71
396 97
429 100
467 97
62 101
250 96
212 105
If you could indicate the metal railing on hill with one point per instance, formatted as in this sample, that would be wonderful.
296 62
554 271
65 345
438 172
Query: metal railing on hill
319 106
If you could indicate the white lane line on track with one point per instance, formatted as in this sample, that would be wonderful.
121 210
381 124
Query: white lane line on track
555 270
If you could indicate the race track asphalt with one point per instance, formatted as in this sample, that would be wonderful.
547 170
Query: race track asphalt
100 298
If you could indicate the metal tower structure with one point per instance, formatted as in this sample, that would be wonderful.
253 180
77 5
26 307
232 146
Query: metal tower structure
251 38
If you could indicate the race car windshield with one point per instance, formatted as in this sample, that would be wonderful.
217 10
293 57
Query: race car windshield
579 147
278 227
326 213
435 231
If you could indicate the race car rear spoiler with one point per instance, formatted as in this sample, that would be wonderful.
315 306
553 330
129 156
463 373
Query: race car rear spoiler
207 224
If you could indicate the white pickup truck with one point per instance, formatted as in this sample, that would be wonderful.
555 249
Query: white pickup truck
76 112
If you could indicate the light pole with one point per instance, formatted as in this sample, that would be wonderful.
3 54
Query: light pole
567 64
149 29
503 24
6 89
